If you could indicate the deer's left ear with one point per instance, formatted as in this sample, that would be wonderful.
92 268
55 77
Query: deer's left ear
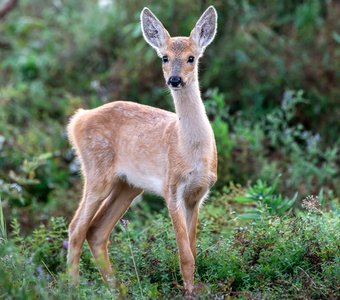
205 28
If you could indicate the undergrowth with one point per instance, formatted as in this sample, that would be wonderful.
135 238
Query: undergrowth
292 256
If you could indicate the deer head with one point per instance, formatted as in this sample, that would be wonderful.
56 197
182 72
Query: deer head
179 55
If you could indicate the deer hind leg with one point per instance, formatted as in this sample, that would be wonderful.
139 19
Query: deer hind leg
95 192
102 224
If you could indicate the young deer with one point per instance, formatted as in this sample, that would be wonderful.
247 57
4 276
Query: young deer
125 148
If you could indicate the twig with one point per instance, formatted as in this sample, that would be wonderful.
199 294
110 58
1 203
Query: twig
134 262
49 271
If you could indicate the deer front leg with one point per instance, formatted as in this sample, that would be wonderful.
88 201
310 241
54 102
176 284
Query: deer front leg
186 257
191 221
193 201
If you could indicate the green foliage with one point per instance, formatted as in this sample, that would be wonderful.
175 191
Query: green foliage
266 199
275 257
215 106
272 145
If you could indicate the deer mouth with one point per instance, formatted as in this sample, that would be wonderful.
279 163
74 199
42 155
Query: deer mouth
178 87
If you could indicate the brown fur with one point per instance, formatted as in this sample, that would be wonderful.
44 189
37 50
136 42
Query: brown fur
178 50
125 147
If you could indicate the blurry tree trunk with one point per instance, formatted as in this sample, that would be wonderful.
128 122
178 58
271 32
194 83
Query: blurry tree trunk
7 7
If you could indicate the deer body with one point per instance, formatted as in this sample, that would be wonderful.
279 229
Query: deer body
125 148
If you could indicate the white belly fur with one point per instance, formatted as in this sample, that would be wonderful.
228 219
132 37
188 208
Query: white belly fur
138 178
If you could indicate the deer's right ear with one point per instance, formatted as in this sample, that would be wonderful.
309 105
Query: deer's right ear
153 31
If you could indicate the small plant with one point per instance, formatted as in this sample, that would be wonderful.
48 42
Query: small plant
266 199
125 224
312 204
3 230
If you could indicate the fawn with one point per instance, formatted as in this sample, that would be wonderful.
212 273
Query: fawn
125 148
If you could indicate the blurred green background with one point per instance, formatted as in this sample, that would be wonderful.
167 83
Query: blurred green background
270 82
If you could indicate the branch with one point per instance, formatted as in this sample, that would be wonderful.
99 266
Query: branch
8 6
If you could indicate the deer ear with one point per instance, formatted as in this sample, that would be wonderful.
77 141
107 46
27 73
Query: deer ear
153 31
205 28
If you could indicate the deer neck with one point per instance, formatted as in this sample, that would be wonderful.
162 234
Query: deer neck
194 130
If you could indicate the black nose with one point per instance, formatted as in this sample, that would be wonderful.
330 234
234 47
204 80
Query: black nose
175 81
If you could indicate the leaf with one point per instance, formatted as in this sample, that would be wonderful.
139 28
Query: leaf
242 199
249 216
3 231
336 37
275 183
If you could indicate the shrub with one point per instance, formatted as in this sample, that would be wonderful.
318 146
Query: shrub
275 257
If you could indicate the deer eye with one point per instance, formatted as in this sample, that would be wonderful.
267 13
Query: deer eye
165 59
191 59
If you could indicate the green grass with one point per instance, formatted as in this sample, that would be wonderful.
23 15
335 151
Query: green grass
271 257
